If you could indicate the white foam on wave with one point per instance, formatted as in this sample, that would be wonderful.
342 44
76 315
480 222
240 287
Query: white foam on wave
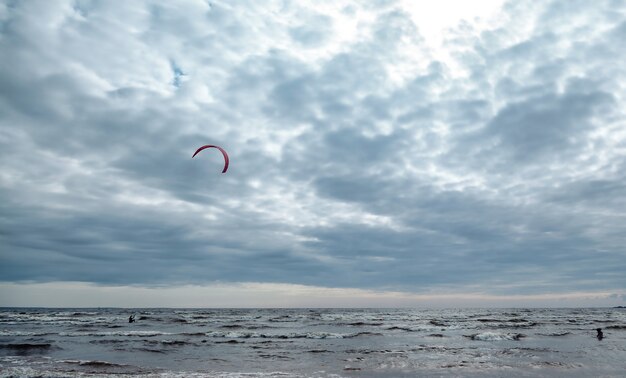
22 333
92 362
494 336
57 318
257 335
270 374
20 371
115 333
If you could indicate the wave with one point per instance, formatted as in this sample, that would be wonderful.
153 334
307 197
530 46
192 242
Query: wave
93 363
246 326
555 334
111 333
381 351
438 323
518 320
102 368
435 348
232 326
502 323
364 334
108 341
57 319
521 325
494 336
193 333
493 320
21 333
556 364
150 350
397 328
275 356
283 319
307 335
26 347
170 342
81 313
23 371
616 327
362 324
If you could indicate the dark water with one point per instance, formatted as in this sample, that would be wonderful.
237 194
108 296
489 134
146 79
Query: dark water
312 342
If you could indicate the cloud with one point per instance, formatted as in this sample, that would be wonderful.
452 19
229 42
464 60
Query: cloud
545 125
314 30
361 157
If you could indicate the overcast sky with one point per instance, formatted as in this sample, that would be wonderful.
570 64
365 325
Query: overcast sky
382 152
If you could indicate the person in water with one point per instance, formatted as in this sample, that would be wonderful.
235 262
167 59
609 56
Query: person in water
600 335
131 319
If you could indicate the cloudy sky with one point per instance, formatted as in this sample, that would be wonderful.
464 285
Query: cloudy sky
383 153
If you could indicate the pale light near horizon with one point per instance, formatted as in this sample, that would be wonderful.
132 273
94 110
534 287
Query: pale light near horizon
268 295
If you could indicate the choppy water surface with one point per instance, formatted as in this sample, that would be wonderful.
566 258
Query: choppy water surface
312 342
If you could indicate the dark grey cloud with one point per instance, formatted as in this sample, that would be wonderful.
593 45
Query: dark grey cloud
545 125
363 160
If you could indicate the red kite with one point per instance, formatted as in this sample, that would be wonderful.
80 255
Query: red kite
219 148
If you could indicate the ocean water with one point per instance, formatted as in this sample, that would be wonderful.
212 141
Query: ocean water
286 343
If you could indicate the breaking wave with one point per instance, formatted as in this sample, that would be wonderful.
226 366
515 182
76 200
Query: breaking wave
493 336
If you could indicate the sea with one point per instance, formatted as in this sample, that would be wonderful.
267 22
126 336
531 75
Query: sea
285 343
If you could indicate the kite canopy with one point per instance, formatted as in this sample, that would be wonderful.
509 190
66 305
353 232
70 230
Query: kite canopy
219 148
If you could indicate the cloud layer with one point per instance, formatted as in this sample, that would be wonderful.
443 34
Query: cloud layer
361 156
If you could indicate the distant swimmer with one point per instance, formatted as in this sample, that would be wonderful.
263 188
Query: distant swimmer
131 319
600 335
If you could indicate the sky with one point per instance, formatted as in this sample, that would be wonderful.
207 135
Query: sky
382 153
